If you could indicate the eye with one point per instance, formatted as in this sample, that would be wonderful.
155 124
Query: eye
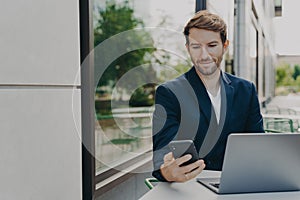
195 46
212 45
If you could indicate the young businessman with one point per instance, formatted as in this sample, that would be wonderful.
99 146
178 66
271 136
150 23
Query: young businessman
204 104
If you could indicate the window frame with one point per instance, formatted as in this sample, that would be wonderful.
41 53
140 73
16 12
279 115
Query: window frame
87 96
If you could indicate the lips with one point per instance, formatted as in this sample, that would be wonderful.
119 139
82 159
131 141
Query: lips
206 63
203 63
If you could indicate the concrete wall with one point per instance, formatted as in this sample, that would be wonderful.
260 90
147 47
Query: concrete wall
40 147
292 60
262 22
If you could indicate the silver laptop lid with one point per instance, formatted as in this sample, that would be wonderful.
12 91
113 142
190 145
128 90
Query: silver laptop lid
261 162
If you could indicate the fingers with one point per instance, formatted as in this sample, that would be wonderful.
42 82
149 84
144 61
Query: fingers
196 172
172 171
193 166
192 170
168 157
183 159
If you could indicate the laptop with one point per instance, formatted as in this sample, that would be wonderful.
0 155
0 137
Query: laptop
258 162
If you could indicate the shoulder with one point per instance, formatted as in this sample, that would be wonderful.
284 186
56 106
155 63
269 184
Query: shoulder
176 88
237 81
177 83
167 87
182 82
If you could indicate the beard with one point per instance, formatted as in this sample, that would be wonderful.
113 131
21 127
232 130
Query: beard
214 65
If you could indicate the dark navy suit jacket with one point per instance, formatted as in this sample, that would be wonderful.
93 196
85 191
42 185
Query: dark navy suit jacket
183 111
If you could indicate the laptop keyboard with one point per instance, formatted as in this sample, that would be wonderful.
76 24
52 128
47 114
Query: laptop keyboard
215 184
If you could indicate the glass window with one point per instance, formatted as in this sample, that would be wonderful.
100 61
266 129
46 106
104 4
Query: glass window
137 45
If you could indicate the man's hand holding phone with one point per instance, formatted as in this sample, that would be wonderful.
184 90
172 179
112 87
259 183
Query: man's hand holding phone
177 169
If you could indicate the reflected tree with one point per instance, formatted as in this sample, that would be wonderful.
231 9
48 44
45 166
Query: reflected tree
114 19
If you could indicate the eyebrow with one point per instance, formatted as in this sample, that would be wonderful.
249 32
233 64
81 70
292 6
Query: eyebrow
212 42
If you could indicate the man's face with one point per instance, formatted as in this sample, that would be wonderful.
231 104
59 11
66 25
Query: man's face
206 50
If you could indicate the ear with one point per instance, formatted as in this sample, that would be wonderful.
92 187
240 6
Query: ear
187 47
226 44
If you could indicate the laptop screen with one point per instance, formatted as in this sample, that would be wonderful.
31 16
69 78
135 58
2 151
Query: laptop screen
256 162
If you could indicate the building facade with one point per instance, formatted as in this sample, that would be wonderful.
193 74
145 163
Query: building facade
251 34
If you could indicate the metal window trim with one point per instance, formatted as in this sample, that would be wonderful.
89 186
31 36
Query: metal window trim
200 5
87 100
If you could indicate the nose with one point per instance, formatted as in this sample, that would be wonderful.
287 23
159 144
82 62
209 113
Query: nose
204 54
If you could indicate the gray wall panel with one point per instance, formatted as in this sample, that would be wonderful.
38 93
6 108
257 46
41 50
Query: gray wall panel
40 147
39 42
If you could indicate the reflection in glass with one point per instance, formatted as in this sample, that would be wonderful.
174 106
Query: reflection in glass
124 95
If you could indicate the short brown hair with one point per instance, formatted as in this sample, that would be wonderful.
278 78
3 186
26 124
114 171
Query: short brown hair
208 21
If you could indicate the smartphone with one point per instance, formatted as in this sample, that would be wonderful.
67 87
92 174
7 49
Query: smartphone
180 148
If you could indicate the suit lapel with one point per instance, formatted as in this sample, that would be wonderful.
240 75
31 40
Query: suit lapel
229 97
202 96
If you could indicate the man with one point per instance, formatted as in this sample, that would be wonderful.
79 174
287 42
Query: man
204 104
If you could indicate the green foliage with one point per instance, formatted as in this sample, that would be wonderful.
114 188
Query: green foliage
284 75
296 72
297 82
287 79
182 67
115 19
143 96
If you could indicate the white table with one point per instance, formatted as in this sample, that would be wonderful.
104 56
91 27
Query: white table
194 190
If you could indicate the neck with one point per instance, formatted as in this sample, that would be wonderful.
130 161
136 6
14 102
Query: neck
211 82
